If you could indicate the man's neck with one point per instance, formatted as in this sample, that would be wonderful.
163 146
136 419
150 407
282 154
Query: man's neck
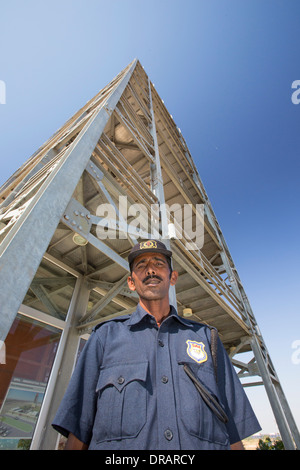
159 309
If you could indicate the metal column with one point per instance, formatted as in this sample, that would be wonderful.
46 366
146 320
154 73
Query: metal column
30 236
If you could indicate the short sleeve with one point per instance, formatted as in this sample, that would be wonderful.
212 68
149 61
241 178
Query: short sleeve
242 421
78 407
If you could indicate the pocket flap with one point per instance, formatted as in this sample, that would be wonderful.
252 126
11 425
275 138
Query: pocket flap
119 375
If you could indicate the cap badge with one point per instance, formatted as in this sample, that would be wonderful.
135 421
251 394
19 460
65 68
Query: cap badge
148 244
196 351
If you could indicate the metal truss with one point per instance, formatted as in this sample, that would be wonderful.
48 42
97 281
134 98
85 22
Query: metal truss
123 149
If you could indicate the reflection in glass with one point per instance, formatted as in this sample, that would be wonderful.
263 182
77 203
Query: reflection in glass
30 351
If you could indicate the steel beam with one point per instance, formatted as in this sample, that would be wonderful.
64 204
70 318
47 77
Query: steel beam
24 246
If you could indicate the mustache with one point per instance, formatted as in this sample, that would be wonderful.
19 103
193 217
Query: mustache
152 276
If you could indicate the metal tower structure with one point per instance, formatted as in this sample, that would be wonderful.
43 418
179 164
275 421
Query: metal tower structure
121 147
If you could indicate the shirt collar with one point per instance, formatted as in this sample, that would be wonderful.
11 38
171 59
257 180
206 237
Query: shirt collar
140 313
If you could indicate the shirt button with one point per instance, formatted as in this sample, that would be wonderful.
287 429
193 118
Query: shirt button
121 380
168 434
164 379
161 343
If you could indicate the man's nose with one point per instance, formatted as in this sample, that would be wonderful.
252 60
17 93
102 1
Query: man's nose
150 268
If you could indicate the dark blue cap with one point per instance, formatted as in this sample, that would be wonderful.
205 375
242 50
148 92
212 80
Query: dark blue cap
148 246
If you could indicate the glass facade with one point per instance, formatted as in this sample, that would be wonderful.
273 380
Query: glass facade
30 349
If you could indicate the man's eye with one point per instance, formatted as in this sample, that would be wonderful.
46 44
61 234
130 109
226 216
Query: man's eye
140 265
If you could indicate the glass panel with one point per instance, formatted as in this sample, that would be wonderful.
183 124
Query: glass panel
51 290
30 351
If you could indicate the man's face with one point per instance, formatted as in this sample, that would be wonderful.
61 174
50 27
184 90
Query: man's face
151 276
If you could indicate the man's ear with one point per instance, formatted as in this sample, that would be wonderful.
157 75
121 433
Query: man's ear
130 282
173 278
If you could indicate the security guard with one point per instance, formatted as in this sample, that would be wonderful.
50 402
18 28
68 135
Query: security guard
148 380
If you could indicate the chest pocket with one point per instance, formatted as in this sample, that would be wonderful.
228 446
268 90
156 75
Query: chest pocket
197 417
122 401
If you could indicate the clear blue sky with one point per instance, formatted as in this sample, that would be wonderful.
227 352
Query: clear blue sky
224 69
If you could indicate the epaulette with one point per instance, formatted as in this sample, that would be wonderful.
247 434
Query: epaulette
195 323
120 318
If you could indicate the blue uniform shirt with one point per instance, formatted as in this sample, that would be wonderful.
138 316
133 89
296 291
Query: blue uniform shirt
129 389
